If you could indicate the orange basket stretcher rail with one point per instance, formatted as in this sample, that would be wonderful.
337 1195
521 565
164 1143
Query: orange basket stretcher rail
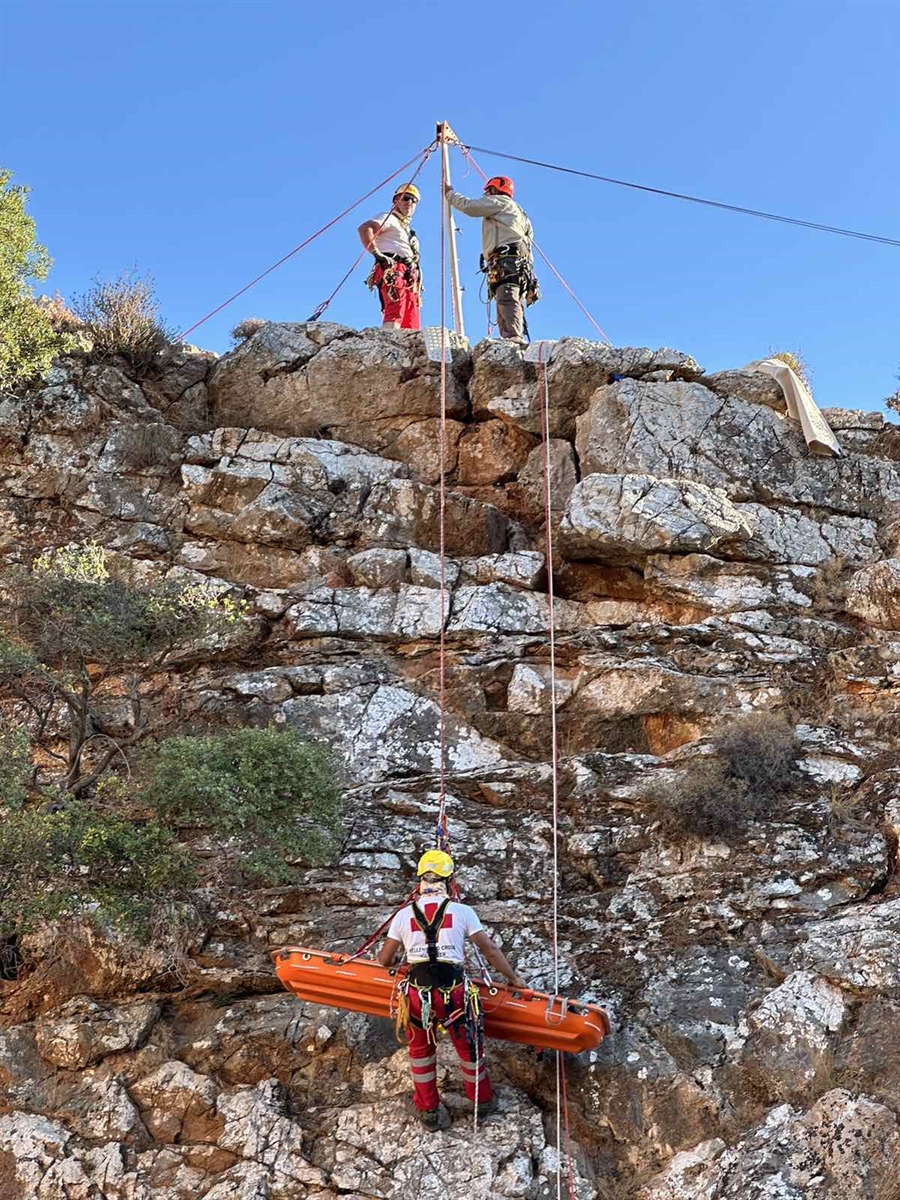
510 1014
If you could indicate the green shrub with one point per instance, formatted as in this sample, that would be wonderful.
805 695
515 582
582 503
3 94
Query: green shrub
121 317
75 626
80 862
267 792
28 341
15 765
747 778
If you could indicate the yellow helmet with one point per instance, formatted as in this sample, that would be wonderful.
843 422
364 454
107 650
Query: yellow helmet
408 189
437 861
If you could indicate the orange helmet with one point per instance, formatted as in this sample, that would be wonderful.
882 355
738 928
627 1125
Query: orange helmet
502 183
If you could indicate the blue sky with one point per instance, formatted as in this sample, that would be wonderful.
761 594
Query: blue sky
202 141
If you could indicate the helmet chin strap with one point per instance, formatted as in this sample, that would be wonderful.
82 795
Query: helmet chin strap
433 888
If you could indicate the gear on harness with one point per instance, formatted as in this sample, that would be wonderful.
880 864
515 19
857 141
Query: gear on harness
507 264
385 274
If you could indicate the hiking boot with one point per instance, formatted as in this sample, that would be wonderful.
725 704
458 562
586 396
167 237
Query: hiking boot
486 1107
430 1117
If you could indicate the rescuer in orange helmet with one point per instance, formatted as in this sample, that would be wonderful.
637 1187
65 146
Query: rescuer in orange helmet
506 253
397 274
432 931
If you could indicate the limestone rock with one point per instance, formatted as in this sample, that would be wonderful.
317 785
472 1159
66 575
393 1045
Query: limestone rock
177 1104
387 612
563 474
753 386
378 568
425 569
300 379
860 949
784 535
503 385
401 513
82 1032
683 430
845 1147
523 569
382 1149
874 594
624 518
101 1109
418 444
492 452
257 1129
792 1034
389 731
722 587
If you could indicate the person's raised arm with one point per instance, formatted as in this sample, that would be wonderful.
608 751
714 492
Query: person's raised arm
388 951
496 958
479 206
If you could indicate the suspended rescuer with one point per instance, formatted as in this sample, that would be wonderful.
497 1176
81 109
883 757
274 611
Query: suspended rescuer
506 253
396 276
432 931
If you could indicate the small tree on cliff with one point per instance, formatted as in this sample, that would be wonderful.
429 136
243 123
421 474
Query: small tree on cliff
28 341
67 626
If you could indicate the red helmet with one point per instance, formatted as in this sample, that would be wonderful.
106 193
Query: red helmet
502 183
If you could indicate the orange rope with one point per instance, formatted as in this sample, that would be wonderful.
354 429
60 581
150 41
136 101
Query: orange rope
483 175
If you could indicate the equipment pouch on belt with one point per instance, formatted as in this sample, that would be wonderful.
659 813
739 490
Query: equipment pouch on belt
435 975
506 265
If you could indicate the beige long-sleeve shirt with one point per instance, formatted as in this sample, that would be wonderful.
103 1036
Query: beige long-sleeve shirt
503 221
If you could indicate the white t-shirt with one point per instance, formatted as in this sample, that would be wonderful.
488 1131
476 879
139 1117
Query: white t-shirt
459 922
393 237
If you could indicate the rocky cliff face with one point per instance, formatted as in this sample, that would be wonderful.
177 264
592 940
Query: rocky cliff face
707 568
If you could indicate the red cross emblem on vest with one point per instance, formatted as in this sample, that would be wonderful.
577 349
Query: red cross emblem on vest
429 910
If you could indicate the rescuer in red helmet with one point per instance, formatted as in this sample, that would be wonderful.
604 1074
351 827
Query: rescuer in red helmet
397 275
506 254
433 931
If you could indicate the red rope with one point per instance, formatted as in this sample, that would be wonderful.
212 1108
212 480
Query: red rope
190 329
565 1097
483 175
374 937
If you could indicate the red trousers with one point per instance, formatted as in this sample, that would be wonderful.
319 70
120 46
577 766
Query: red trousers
399 300
423 1052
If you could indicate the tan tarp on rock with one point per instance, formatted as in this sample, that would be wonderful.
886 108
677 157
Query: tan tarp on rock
801 406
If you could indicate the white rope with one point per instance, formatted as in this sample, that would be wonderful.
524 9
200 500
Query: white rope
545 436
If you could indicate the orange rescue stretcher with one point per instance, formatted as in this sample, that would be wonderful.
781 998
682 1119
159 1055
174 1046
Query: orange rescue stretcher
510 1014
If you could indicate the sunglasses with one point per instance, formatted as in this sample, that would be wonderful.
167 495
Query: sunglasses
409 199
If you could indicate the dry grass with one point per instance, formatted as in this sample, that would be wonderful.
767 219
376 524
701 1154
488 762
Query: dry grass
797 363
148 444
246 329
121 317
747 779
830 587
61 317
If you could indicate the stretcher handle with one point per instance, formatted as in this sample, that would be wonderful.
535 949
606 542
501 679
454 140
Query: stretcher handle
550 1016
